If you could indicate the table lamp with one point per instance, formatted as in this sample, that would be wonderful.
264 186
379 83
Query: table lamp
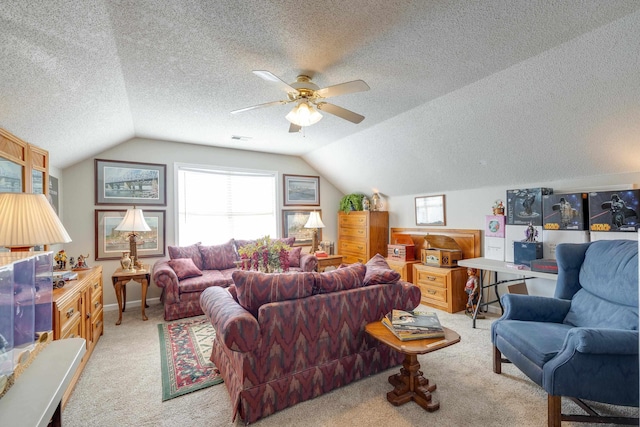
314 222
29 220
134 222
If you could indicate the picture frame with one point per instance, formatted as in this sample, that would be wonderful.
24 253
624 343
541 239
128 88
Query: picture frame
130 183
109 244
293 222
430 210
301 190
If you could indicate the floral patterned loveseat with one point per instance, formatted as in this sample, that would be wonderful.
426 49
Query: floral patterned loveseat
191 269
285 338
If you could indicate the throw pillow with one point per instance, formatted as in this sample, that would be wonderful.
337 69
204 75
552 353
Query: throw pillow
378 272
349 277
192 251
294 256
219 257
255 289
184 268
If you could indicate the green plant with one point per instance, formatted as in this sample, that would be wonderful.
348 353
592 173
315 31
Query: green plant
351 202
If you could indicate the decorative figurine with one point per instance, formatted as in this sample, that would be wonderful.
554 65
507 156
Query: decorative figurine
61 259
498 207
365 204
531 234
472 288
82 262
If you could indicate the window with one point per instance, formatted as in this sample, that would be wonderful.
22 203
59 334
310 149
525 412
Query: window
216 204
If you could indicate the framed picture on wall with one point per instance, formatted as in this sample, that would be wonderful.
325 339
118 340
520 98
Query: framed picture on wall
430 210
110 243
301 190
130 183
293 222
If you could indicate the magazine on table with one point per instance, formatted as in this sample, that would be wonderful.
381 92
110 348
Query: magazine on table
413 325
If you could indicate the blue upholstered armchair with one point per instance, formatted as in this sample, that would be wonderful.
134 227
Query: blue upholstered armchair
583 343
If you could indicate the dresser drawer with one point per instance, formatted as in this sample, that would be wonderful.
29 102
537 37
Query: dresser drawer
96 300
431 278
433 293
68 312
354 233
351 259
97 324
73 328
352 220
353 248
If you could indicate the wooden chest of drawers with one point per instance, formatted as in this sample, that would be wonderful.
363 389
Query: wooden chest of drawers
441 288
405 268
362 234
77 313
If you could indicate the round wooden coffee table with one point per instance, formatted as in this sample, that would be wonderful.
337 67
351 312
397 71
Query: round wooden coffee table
410 384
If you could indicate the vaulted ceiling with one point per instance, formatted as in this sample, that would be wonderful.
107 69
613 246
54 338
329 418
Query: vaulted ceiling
464 94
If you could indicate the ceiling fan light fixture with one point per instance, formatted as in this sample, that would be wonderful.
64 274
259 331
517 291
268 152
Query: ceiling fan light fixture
304 115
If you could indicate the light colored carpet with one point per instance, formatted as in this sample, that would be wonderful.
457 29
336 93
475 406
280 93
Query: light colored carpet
121 386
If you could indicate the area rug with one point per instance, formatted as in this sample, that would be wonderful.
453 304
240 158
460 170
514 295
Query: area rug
185 348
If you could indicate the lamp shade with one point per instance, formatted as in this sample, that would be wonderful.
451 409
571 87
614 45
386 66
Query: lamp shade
28 220
303 115
133 221
314 221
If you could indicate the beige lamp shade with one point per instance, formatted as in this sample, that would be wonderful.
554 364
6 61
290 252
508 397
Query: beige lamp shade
133 221
27 220
314 221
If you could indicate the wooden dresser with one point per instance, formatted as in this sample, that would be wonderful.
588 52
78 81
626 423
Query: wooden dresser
405 268
362 234
77 313
441 287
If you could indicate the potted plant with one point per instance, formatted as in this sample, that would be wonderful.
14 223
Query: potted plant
351 202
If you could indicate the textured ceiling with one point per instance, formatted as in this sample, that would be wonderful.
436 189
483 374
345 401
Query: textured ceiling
464 94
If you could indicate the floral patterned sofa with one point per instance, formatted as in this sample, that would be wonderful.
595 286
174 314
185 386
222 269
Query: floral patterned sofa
285 338
192 269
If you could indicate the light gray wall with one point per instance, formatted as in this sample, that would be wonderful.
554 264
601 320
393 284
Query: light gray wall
77 185
467 209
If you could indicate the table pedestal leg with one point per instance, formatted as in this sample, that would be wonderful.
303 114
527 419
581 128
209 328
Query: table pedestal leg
118 286
409 385
145 284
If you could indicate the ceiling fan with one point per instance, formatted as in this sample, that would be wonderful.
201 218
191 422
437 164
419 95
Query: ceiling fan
308 95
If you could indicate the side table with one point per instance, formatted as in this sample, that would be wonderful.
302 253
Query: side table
329 261
120 279
409 384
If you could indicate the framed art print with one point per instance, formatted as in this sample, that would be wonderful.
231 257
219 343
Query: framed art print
430 210
130 183
110 243
301 190
293 222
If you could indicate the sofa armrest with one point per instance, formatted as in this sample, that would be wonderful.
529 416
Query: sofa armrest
235 326
534 308
164 277
308 262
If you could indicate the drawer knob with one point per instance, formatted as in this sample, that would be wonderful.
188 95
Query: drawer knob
431 278
70 312
96 286
96 305
431 292
88 315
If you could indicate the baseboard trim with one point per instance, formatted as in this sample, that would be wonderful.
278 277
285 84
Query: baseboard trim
114 307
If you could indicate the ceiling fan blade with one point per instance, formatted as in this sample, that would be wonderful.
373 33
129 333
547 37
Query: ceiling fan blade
343 113
343 89
270 77
266 104
293 128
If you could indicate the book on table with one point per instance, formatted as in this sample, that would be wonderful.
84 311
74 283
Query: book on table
413 325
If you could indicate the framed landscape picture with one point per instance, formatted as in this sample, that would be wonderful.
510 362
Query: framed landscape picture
293 222
129 183
301 190
430 210
111 243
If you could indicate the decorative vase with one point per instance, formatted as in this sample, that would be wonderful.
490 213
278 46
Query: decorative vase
125 261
